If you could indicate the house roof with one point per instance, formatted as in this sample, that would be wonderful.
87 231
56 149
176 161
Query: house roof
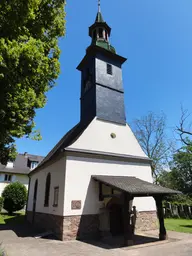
21 164
134 186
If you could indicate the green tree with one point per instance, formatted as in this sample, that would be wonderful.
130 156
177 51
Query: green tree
180 176
14 196
29 65
182 169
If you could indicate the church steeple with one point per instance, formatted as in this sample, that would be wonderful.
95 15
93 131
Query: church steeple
102 93
100 32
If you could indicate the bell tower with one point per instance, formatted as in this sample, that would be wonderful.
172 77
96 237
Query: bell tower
102 93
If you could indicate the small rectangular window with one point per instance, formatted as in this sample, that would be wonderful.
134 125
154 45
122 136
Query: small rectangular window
56 197
8 178
109 69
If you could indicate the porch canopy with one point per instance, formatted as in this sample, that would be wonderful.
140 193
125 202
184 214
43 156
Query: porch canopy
134 186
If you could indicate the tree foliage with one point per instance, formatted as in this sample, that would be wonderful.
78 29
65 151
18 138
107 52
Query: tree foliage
150 132
180 176
182 169
15 197
29 65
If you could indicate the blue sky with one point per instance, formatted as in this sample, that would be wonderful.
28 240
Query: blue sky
155 36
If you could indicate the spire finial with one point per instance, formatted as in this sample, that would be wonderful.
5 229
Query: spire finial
99 5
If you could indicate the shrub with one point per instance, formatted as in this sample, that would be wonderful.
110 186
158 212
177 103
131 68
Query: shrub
15 197
1 203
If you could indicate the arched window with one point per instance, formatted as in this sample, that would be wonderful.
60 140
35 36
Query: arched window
47 189
106 36
35 190
100 33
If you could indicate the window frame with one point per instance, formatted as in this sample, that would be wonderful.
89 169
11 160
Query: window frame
56 196
109 69
8 176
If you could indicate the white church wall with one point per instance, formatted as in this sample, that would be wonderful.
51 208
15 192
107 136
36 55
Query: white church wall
57 171
80 186
97 137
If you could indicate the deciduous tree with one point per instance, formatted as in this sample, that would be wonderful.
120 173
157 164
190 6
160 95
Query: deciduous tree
29 65
150 132
184 129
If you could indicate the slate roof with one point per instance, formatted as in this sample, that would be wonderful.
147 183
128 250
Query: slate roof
134 186
71 136
20 165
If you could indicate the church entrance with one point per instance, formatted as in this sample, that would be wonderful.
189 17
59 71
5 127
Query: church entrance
116 219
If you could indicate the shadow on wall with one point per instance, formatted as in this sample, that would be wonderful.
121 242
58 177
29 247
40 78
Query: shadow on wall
89 223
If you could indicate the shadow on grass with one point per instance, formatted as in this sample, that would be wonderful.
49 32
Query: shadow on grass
14 219
186 226
18 224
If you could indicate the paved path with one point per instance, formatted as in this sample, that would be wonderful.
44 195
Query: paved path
180 244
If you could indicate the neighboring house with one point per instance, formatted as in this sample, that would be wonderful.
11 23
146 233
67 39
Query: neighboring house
86 186
18 170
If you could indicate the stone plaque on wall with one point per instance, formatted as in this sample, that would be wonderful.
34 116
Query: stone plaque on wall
76 204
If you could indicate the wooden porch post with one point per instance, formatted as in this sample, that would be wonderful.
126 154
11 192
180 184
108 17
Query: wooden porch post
128 236
162 230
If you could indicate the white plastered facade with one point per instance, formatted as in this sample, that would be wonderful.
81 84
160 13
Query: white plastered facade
78 182
97 137
57 171
73 174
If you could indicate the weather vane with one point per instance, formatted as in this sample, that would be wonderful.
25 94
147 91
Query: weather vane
99 5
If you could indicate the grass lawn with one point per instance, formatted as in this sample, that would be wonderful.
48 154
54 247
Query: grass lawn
16 218
179 225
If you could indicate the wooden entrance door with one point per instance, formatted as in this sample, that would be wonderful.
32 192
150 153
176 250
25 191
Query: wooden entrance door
34 200
116 220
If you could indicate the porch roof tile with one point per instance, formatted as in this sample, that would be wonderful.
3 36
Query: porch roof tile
134 186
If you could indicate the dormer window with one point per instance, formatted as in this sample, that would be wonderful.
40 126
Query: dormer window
33 165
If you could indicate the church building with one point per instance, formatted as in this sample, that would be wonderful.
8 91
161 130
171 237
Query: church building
87 185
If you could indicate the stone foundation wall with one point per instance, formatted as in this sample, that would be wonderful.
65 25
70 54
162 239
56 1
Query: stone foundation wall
68 227
81 227
146 221
47 222
85 226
